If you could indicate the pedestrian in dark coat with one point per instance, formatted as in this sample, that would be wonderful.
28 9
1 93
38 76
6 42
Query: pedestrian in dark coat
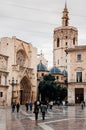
13 106
36 111
26 105
17 107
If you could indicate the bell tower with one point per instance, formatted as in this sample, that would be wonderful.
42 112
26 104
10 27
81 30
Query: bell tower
63 37
65 18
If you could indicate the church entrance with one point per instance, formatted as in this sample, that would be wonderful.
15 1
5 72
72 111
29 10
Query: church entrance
25 90
79 95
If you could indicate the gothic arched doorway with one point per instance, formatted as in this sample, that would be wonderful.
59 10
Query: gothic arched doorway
25 90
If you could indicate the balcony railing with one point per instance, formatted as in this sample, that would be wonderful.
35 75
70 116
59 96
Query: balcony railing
74 81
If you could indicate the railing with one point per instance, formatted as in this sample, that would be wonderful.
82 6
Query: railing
74 81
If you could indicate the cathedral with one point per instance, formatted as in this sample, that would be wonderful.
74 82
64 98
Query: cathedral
18 62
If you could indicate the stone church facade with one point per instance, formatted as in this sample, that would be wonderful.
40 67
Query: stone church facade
69 56
18 70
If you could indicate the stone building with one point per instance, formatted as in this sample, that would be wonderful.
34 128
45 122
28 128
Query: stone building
69 56
77 74
18 72
64 37
3 79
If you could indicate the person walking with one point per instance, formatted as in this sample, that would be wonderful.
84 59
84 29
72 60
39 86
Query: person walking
51 104
26 105
43 110
82 105
36 110
17 107
31 106
13 106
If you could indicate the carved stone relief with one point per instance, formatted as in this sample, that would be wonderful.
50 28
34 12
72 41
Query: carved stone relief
3 63
20 58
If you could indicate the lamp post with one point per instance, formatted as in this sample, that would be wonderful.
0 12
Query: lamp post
13 83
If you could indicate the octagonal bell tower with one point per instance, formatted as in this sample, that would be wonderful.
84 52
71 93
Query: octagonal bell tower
64 37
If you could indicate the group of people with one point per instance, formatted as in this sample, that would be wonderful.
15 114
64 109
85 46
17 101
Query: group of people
28 105
15 106
40 107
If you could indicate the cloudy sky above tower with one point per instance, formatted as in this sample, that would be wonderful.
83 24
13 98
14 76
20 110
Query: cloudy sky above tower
34 21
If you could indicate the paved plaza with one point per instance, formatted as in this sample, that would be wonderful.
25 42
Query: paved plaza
71 118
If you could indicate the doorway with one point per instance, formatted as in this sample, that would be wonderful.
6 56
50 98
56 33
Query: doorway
79 95
25 90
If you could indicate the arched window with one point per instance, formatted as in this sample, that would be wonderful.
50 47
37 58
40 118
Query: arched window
42 74
66 37
66 43
74 41
1 94
57 77
0 79
58 40
66 24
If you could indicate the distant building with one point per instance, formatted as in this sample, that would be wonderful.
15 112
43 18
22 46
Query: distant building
40 57
18 62
60 76
42 69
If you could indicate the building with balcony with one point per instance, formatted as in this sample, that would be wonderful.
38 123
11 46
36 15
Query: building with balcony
77 74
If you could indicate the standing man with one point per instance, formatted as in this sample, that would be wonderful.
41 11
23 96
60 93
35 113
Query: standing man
17 107
26 105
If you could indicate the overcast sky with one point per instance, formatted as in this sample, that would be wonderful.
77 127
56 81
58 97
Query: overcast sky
34 21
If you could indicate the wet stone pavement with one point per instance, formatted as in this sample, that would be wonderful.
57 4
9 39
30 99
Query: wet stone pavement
71 118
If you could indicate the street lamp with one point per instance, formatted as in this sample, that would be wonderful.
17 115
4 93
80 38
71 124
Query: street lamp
13 83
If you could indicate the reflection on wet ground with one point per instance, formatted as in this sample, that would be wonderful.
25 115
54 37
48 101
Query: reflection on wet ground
71 118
